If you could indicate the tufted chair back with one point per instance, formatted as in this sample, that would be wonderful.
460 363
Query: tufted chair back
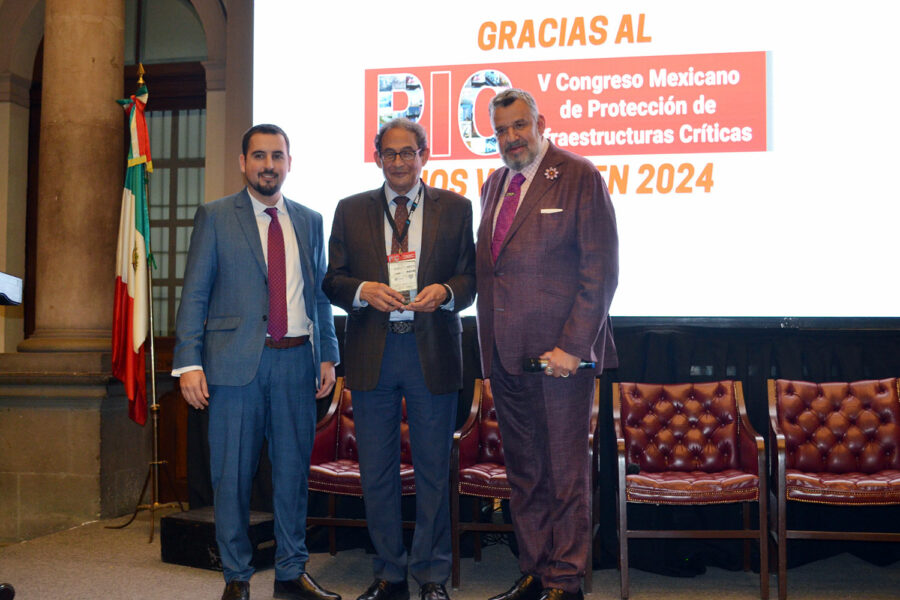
840 427
490 444
680 427
346 433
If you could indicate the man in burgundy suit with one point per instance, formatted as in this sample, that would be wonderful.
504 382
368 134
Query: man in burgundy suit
547 268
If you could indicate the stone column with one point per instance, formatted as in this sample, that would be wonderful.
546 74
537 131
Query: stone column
238 72
80 175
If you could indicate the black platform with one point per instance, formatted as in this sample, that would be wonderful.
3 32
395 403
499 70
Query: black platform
189 538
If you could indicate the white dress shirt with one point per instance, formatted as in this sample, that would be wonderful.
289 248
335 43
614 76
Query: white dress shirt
414 242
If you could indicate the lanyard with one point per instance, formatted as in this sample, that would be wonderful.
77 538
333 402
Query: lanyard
387 213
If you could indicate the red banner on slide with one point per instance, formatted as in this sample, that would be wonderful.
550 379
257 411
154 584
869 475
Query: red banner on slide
607 106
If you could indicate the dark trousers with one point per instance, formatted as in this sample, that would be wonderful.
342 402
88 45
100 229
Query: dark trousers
278 405
544 422
431 419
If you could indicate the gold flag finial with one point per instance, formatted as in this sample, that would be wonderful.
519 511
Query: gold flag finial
140 74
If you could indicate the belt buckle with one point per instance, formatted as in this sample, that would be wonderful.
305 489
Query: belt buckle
401 327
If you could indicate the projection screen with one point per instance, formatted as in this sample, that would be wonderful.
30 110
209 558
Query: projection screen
748 147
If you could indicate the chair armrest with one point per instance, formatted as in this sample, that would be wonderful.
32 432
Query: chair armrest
325 443
595 411
465 439
777 443
752 445
617 418
621 459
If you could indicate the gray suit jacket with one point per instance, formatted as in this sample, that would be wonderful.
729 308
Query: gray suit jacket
557 269
221 322
356 253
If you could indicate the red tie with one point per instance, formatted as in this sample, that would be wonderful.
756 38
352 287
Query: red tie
277 280
401 221
507 213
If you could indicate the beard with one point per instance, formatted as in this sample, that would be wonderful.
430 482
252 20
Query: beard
522 162
265 187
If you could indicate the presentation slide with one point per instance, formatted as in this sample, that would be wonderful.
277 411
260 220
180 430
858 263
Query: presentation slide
745 145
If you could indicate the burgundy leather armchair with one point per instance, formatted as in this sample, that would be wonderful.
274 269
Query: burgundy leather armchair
334 463
833 443
477 468
688 444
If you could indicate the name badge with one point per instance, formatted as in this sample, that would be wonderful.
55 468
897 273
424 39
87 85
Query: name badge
402 273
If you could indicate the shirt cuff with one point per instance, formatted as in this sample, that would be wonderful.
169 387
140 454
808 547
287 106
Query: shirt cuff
450 303
357 302
182 370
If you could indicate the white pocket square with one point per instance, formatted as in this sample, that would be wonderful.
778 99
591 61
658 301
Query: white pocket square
550 211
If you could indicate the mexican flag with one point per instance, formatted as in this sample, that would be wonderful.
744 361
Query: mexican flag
130 311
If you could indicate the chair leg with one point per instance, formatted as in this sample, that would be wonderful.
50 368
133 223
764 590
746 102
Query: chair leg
476 517
454 536
782 546
622 514
745 509
763 548
332 533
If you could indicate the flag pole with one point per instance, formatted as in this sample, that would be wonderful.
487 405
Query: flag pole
153 471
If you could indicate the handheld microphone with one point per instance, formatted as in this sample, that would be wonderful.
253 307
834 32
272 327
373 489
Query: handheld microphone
536 365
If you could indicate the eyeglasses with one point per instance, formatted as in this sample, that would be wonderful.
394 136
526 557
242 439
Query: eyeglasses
519 127
406 154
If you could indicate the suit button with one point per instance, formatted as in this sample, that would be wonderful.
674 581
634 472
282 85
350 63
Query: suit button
265 318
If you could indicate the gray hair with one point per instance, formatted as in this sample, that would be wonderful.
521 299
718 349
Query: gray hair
510 95
414 128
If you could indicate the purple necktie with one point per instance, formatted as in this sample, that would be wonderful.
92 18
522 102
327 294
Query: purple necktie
507 213
277 279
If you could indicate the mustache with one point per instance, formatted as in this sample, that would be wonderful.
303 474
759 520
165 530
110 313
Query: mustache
514 145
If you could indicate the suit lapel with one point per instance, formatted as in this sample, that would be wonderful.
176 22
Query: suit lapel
300 225
244 211
431 217
489 207
376 229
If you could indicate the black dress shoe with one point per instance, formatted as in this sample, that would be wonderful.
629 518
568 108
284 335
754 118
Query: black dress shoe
302 588
386 590
528 587
236 590
433 591
558 594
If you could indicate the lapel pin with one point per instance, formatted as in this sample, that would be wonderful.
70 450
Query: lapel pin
551 173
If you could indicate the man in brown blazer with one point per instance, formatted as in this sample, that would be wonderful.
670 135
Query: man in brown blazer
404 237
547 268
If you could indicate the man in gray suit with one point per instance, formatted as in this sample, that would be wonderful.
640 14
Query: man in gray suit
256 346
401 262
547 270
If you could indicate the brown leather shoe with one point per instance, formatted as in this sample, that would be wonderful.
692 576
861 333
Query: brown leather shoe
528 587
236 590
558 594
302 588
433 591
385 590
